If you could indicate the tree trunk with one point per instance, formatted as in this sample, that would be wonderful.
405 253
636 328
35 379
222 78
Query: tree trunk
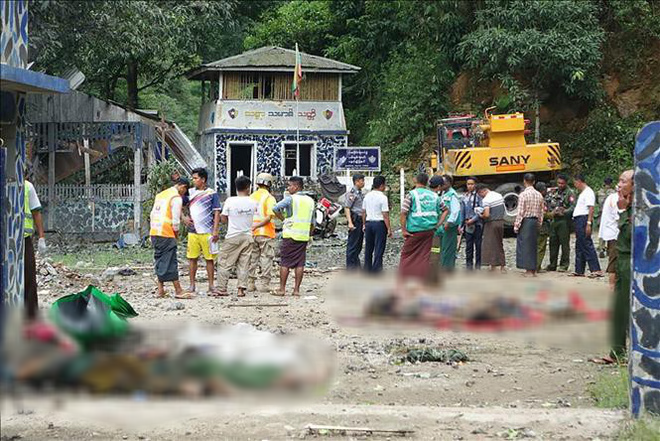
537 121
106 89
132 83
113 88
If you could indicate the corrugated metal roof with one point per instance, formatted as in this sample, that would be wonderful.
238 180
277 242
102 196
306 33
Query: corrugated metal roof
184 151
272 58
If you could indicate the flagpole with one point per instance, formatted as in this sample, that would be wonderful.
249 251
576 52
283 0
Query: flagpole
297 109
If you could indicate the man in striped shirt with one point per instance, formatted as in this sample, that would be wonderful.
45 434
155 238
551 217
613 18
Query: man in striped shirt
527 224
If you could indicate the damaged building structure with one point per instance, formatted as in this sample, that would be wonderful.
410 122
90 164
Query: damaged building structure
78 133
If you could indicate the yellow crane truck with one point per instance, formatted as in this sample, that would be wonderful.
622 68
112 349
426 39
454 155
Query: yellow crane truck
494 150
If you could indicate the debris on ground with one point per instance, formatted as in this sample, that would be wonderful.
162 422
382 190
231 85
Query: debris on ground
127 272
52 275
313 429
517 433
429 354
176 306
110 273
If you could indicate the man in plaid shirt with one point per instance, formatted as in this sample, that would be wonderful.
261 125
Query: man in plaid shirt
528 221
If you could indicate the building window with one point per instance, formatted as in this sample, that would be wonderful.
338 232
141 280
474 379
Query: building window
277 86
298 160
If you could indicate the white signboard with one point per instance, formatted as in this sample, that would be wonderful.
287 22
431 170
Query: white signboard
280 115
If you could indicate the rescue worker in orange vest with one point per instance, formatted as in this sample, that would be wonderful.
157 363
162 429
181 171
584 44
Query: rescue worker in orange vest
165 220
263 231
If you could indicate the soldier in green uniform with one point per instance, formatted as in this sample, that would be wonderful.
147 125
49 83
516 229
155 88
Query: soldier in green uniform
620 315
544 231
560 209
620 318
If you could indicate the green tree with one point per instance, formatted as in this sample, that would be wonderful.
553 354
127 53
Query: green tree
297 21
143 42
407 54
535 48
413 95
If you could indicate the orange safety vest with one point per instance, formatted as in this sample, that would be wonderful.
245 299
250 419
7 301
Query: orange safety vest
161 214
261 197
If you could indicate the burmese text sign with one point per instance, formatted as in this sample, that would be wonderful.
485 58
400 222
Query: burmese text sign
357 158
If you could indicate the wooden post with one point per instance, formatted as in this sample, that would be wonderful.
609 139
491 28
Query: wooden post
220 87
402 186
537 122
88 182
88 168
51 175
137 190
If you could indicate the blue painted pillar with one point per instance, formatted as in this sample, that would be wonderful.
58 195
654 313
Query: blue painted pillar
644 358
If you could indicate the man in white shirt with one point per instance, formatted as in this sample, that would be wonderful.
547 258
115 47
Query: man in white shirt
376 225
609 231
238 213
583 216
492 214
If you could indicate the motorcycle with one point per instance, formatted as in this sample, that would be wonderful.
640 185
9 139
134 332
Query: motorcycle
325 217
326 213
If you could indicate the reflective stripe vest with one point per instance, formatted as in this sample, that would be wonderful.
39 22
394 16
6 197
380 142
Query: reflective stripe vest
424 214
298 225
28 223
161 214
446 200
261 197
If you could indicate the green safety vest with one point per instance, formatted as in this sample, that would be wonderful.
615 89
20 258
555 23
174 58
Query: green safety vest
28 223
423 214
297 226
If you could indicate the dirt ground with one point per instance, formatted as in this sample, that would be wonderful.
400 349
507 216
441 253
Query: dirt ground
517 384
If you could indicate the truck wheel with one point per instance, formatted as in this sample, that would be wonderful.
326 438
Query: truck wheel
509 192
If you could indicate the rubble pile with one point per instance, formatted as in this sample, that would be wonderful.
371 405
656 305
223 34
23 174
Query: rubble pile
52 275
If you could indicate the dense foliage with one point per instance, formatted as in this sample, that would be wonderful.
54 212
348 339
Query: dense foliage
142 43
590 67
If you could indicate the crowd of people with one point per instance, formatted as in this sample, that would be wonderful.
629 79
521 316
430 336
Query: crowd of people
435 220
249 244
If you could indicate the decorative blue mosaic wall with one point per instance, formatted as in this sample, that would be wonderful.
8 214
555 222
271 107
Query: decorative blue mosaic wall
645 301
14 35
12 276
269 152
13 52
76 216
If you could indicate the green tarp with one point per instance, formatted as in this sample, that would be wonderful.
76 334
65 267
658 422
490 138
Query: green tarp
91 316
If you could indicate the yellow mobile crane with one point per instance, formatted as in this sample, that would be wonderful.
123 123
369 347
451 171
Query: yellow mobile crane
494 150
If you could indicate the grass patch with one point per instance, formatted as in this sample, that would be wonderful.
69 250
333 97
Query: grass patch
645 429
106 257
611 389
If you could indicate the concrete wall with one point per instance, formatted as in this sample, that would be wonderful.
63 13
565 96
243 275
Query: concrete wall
81 217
